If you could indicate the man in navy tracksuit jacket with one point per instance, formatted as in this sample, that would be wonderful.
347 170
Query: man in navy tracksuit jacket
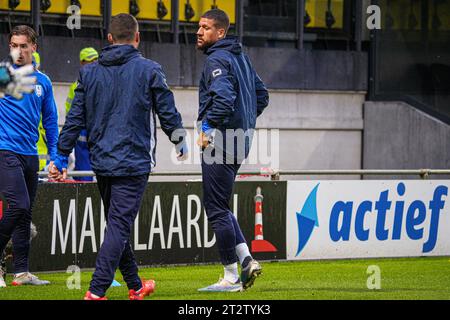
19 162
231 97
116 101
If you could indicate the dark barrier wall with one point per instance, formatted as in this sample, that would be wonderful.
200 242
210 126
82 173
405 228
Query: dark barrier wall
171 228
411 55
281 68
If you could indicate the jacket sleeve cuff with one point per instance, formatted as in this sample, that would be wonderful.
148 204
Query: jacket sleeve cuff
206 126
61 162
53 155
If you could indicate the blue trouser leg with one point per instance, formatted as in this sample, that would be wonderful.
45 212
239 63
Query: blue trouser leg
18 185
129 269
122 198
127 264
237 229
218 180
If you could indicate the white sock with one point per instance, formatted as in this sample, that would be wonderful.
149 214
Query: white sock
19 274
242 252
231 272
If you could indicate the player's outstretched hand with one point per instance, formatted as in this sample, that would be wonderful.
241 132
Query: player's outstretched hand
22 82
16 82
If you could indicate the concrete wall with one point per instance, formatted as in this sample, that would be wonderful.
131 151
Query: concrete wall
398 136
315 130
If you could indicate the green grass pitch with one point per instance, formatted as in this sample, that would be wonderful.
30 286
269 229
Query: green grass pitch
404 278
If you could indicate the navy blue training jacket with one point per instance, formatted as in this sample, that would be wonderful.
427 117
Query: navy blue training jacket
116 101
232 94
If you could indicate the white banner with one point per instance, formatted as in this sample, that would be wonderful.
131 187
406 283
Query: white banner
362 219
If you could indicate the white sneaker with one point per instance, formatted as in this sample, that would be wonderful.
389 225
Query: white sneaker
250 273
2 279
223 286
28 279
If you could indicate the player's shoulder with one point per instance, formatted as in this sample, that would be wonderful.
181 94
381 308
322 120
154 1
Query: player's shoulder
151 67
43 82
148 63
42 78
219 57
88 68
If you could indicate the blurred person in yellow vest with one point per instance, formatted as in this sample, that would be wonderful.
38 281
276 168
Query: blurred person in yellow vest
82 162
37 60
42 148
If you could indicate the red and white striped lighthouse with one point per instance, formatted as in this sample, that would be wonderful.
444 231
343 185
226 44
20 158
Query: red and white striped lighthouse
259 244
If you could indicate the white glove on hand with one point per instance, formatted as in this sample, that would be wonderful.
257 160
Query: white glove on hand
15 82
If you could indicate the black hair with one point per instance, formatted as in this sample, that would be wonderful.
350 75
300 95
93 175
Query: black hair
221 20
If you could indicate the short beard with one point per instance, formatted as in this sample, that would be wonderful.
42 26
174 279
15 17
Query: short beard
205 46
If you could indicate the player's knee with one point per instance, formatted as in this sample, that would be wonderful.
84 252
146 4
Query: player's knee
19 207
119 224
213 213
16 214
219 219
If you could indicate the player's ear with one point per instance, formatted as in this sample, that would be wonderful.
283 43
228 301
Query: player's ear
222 33
137 38
110 38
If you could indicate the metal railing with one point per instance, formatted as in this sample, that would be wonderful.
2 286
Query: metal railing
276 174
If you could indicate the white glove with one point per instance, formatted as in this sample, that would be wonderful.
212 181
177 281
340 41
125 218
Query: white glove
15 82
21 81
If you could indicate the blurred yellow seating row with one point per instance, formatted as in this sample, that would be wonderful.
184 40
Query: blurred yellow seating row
148 8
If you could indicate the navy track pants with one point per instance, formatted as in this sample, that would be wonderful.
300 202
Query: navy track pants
18 185
218 181
122 197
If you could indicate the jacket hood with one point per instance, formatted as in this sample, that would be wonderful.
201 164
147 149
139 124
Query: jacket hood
117 54
229 43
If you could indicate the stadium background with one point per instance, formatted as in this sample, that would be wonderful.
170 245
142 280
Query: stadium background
344 96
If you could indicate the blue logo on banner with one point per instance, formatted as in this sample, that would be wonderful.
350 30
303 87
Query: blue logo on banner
307 219
412 218
347 218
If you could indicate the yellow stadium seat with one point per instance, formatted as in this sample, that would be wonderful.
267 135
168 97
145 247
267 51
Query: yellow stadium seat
201 6
317 9
25 5
148 8
88 7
